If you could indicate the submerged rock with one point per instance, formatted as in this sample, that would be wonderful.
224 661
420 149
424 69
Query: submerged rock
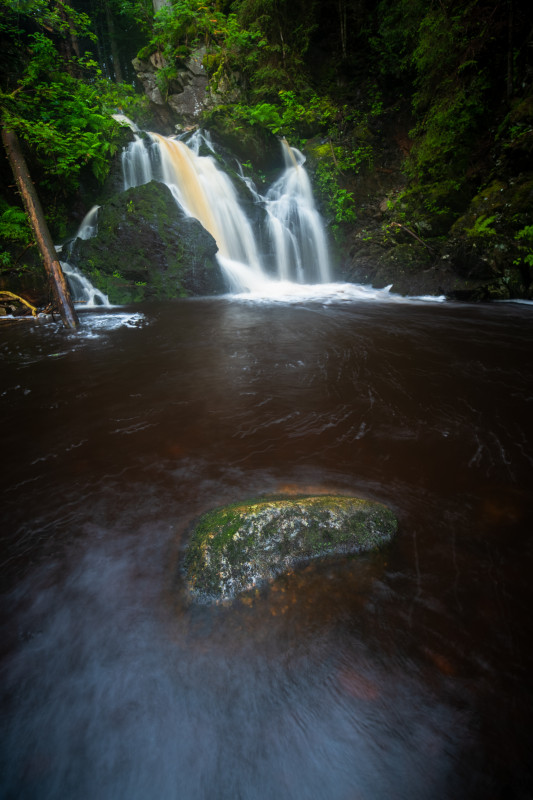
242 545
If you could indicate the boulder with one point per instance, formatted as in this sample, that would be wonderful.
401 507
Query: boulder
241 546
146 248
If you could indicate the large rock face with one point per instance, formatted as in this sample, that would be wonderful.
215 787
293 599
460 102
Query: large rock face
240 546
147 249
186 95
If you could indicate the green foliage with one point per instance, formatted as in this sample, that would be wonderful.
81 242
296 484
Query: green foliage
58 17
15 234
62 117
122 98
525 235
265 114
186 21
445 135
263 40
177 29
446 54
180 27
339 203
140 12
294 116
450 94
6 261
286 28
14 225
482 226
396 34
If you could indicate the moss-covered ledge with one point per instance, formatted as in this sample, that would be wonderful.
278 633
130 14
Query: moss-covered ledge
242 545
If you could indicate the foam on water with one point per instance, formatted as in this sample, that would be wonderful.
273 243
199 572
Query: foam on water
328 293
112 321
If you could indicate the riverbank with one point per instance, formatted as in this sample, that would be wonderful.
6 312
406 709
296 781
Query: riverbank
470 242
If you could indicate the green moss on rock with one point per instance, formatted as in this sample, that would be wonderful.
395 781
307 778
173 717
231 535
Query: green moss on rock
147 249
242 545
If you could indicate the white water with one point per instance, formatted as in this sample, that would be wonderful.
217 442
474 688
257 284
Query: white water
205 192
83 292
294 238
326 293
293 264
137 167
294 233
89 224
295 224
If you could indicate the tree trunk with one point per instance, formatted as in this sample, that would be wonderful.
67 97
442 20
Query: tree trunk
113 45
343 28
510 52
39 227
69 45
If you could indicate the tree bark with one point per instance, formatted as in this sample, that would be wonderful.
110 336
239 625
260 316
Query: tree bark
39 226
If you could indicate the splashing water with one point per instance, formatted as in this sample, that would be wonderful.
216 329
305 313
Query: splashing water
83 292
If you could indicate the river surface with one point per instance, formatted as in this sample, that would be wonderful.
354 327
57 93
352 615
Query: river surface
404 674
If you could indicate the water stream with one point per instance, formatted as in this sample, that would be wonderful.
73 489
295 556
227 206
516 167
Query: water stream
403 674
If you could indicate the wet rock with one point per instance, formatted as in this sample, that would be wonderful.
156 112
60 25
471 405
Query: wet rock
146 248
242 545
147 73
186 93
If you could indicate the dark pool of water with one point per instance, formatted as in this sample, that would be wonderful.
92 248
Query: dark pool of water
402 674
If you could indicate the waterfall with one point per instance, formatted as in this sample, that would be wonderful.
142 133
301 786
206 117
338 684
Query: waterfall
295 225
137 166
82 289
294 239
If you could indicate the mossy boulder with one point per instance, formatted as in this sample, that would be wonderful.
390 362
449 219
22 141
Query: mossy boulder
240 546
146 248
248 142
486 243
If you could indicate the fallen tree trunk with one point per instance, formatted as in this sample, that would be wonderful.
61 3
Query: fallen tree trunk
39 227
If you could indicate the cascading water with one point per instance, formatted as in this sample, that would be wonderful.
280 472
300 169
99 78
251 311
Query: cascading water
137 167
89 224
295 224
295 239
205 192
83 291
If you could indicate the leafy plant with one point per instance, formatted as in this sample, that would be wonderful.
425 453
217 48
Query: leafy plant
482 226
526 234
61 108
14 225
339 202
